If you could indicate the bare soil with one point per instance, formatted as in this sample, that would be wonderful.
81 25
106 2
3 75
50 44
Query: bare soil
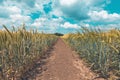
61 63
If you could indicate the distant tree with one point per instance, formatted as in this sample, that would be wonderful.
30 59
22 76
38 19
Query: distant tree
58 34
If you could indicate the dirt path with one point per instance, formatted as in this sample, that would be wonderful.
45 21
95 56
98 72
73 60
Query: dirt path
63 64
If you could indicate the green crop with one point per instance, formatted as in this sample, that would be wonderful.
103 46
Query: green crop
19 49
100 49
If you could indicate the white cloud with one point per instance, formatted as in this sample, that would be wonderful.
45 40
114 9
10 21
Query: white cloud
39 22
44 21
11 14
6 11
74 9
19 11
104 16
47 25
78 9
67 2
69 25
18 18
14 9
86 25
57 12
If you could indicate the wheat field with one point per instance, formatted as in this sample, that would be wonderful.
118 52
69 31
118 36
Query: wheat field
101 50
19 49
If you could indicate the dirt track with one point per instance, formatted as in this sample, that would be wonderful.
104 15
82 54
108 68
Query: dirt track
63 64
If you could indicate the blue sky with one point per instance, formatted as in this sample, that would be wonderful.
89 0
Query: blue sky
62 16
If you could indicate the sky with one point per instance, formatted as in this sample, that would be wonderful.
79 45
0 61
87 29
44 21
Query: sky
61 16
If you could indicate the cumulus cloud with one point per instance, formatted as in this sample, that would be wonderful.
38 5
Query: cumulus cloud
73 9
52 15
45 24
6 11
39 22
13 9
67 3
19 18
69 25
78 9
12 15
44 21
104 16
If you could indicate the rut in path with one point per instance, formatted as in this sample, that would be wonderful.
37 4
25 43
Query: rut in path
64 64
